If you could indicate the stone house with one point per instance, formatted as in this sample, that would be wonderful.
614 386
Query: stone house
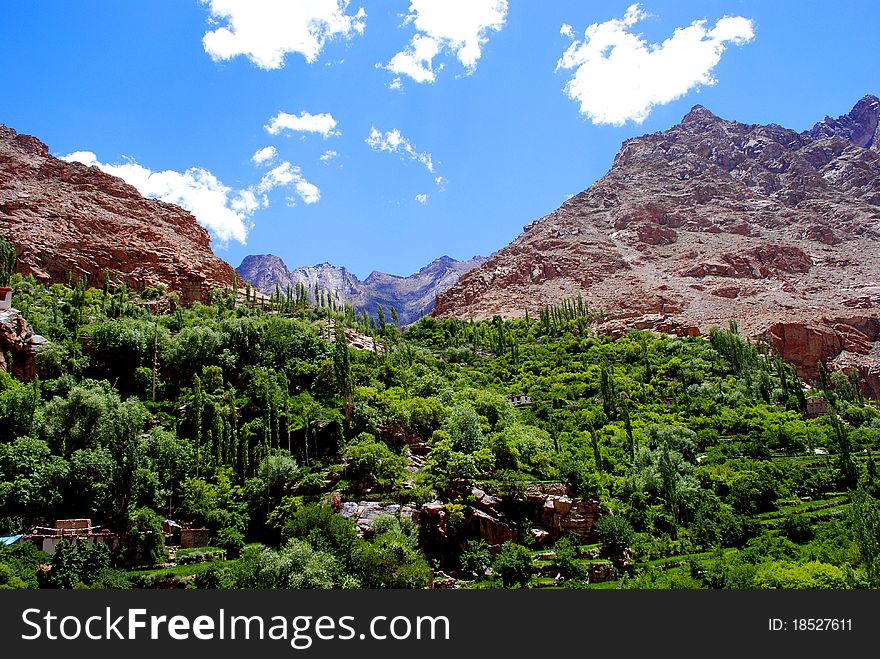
75 530
519 399
816 406
5 298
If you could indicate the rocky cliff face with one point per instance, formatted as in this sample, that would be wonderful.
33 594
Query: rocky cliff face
410 296
709 221
69 219
18 345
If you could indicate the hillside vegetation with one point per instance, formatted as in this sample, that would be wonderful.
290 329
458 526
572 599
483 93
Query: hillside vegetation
256 419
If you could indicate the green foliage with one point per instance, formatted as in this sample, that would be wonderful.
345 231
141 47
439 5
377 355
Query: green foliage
295 565
9 580
241 416
475 559
368 458
392 558
145 541
864 516
323 529
513 565
565 558
615 534
21 562
7 261
463 428
812 576
76 563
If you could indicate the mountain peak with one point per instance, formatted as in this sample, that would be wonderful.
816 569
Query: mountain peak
861 125
711 220
410 295
69 220
699 114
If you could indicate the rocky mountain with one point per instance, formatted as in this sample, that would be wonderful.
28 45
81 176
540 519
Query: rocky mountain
410 296
709 221
67 219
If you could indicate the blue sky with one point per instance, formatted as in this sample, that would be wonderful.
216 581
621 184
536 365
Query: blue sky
382 160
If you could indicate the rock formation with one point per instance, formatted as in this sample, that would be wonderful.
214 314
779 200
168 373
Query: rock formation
18 345
710 221
410 296
69 220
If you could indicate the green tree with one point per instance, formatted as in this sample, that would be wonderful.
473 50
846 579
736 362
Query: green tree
615 534
392 558
513 565
463 427
565 558
367 457
342 372
864 516
145 542
76 563
475 559
295 565
7 261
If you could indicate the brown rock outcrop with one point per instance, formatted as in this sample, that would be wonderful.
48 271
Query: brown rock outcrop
18 345
560 514
793 218
842 343
68 219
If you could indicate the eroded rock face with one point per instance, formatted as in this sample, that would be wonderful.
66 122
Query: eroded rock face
707 222
68 219
18 345
364 513
843 343
560 514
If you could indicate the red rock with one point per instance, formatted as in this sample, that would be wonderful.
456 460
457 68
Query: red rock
67 219
18 339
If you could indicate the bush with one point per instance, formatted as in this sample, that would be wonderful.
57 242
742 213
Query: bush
615 534
566 558
812 575
513 565
797 528
200 555
475 559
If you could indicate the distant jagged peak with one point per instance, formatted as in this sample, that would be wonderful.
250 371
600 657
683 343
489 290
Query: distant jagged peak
861 125
410 295
262 259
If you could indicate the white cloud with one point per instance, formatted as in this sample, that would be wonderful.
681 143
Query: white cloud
416 60
264 156
422 199
458 27
441 183
285 175
220 209
394 142
223 211
322 124
618 77
566 30
397 83
327 156
266 30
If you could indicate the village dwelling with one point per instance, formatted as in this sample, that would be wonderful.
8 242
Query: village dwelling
75 530
5 298
519 399
816 406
